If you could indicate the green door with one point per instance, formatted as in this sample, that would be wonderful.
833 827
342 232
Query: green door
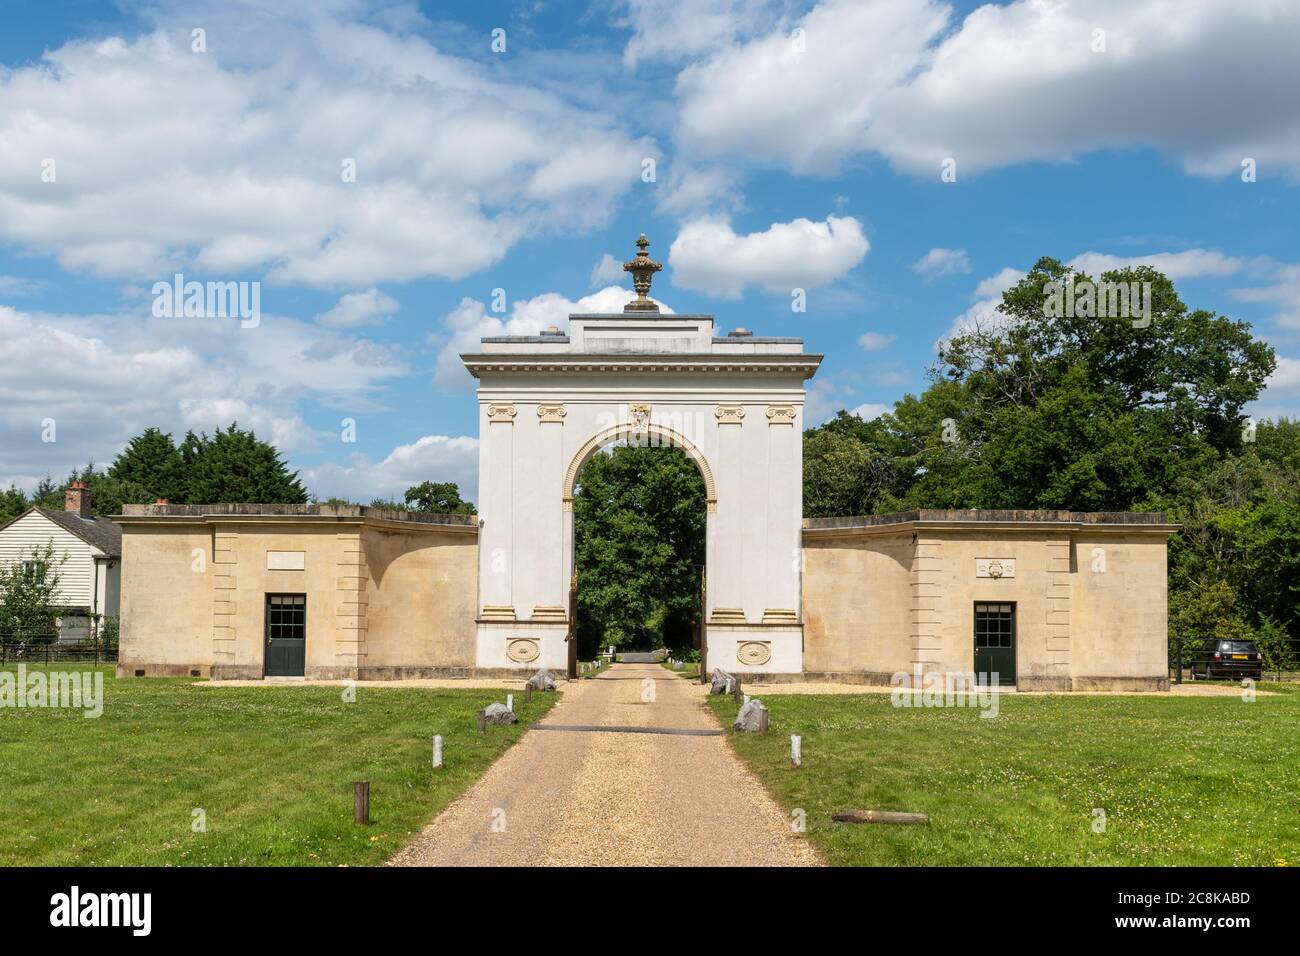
286 635
995 643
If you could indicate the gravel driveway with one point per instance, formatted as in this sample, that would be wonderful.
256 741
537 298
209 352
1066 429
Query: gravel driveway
591 797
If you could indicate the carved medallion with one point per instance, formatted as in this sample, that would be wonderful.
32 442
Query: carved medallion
729 414
995 567
754 653
522 650
501 413
551 412
780 414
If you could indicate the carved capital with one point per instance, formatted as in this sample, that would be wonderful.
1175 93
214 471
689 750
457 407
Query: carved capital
780 414
730 414
501 412
551 412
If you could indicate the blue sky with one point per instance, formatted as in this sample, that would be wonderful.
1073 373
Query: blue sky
795 144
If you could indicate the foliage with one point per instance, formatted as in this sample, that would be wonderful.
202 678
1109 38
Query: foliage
639 522
428 497
235 466
1028 410
29 587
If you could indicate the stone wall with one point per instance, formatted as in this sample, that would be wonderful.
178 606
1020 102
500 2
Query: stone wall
388 594
895 593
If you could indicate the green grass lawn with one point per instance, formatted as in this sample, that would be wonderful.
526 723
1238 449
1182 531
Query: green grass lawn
689 671
272 768
1183 781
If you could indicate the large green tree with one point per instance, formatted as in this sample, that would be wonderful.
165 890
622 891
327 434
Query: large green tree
639 523
152 461
29 590
236 466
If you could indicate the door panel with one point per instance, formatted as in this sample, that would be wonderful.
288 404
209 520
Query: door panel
286 635
995 642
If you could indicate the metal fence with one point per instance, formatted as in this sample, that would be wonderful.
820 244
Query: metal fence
48 653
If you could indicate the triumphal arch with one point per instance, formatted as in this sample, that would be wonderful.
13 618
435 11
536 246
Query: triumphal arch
732 402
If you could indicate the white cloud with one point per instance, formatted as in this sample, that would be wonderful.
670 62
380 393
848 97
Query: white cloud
1285 379
682 29
430 458
995 285
471 321
942 262
231 162
104 378
1188 264
708 256
874 341
359 308
1284 293
869 410
1011 83
700 190
607 271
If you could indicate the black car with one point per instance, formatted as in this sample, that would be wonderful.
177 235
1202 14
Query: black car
1229 659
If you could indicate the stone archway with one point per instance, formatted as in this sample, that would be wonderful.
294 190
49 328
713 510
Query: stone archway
733 403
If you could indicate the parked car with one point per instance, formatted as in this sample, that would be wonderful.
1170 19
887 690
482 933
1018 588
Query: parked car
1229 659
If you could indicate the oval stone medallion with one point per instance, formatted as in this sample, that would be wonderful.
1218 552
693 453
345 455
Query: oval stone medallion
522 650
754 653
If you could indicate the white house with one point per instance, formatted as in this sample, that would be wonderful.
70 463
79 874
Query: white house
89 578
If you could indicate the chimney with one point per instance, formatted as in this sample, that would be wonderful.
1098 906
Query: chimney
77 499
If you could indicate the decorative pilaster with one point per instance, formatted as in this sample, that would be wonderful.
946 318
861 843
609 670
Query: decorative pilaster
350 603
501 413
225 556
926 618
1058 607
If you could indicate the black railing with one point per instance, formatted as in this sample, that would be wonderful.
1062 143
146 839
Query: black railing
47 652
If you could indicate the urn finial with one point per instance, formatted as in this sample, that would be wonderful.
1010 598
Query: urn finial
643 269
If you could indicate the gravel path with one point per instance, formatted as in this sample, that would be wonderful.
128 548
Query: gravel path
597 798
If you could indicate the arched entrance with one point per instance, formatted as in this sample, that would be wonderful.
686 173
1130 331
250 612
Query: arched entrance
733 403
639 503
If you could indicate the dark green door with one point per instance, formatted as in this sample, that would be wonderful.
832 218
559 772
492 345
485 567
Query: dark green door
286 635
995 643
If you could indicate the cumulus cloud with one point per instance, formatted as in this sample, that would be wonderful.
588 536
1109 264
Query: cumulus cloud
303 146
1283 292
104 378
1009 83
709 256
471 321
608 270
942 262
429 458
1188 264
359 308
869 410
681 29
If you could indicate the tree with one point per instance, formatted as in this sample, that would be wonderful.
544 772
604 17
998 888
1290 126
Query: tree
28 590
235 466
639 523
842 475
13 502
151 461
438 497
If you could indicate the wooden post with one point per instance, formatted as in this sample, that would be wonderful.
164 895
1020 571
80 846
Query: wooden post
762 720
361 802
528 693
796 751
480 720
437 751
736 693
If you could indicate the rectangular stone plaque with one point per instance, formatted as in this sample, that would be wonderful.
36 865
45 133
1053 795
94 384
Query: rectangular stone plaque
286 560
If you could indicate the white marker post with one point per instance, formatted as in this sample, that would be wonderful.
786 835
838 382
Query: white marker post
437 751
796 750
510 703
